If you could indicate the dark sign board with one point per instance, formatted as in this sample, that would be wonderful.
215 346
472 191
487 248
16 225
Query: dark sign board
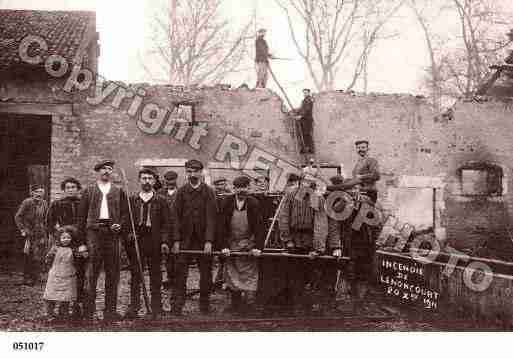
404 280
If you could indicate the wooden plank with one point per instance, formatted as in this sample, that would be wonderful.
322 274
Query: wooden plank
65 109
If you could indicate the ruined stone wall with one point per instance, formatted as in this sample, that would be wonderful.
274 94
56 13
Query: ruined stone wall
408 139
104 131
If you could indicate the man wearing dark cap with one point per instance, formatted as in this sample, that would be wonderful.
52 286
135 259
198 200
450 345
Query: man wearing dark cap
31 221
242 229
169 193
292 182
151 221
358 245
102 219
305 111
196 210
262 57
366 171
64 212
303 230
221 186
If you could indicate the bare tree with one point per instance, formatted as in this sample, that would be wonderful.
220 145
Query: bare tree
425 12
330 34
481 40
194 45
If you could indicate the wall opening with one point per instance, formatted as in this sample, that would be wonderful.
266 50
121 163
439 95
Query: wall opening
25 148
480 179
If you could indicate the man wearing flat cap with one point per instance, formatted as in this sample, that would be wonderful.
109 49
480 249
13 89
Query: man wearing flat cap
151 221
242 229
64 212
102 220
196 210
31 221
262 57
303 230
221 186
169 193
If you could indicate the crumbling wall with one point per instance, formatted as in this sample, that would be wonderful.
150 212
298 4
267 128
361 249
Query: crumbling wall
104 131
408 139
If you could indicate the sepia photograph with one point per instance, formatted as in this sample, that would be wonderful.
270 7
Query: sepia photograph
341 166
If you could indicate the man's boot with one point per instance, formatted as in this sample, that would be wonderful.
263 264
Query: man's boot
132 313
76 312
63 313
235 302
204 305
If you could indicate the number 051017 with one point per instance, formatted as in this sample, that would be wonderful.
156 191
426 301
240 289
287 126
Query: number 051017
27 346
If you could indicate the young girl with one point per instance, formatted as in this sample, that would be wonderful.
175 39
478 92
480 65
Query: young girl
61 286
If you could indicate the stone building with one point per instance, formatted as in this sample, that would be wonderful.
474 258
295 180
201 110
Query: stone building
58 120
452 172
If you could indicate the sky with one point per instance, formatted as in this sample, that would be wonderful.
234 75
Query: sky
396 66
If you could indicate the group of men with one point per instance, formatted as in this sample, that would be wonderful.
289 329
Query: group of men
152 225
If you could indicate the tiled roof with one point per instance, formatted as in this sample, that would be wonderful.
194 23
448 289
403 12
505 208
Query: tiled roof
63 31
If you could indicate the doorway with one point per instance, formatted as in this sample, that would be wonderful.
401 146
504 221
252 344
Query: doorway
25 150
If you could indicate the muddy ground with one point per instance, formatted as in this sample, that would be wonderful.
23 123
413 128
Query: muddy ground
22 309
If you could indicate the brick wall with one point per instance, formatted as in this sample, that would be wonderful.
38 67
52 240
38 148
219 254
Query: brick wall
98 132
409 139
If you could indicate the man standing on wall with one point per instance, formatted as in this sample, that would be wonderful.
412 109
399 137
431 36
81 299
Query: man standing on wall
262 57
196 210
305 111
31 221
169 193
103 218
64 212
151 221
366 171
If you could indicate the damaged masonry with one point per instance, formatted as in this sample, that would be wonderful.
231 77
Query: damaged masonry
446 177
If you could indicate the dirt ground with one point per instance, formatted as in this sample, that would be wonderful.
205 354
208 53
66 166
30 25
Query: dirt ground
22 309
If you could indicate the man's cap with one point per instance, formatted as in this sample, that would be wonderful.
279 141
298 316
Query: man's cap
336 180
220 180
35 187
293 177
261 30
194 164
170 176
149 171
70 180
101 164
359 142
241 181
312 160
305 89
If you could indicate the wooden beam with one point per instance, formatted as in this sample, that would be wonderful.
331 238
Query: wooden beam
65 109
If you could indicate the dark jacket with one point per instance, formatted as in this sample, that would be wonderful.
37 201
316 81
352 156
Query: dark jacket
196 213
89 208
261 50
306 109
159 217
255 221
31 217
368 169
64 212
172 212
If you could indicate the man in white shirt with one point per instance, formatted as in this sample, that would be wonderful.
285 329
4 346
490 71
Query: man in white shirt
102 219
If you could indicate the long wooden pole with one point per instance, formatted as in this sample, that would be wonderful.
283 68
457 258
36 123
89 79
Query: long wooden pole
136 242
265 255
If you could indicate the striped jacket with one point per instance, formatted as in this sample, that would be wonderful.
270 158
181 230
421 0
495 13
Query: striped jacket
302 219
